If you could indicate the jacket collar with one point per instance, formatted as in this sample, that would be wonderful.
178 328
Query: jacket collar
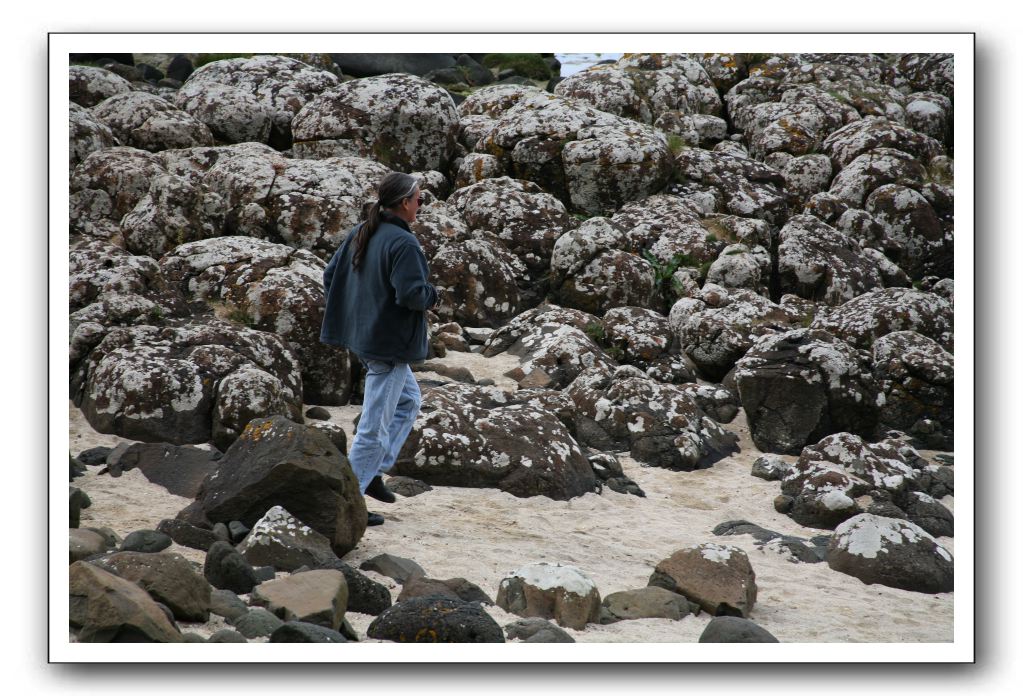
395 220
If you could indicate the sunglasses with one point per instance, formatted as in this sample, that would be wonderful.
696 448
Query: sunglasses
420 200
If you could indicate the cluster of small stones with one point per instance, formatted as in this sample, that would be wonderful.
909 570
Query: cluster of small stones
779 227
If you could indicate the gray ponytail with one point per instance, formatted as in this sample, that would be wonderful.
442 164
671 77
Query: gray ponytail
393 189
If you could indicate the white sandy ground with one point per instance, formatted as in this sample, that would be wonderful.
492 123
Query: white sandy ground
484 534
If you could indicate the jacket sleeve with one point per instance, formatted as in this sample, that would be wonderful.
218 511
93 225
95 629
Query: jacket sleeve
409 276
328 272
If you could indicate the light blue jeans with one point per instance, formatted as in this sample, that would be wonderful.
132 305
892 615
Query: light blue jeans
389 409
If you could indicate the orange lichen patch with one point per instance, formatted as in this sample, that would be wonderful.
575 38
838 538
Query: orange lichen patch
428 633
255 433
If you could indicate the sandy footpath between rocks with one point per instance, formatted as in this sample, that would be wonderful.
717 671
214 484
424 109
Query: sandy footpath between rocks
483 535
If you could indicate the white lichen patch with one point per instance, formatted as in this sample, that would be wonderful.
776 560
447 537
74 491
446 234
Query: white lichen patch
548 576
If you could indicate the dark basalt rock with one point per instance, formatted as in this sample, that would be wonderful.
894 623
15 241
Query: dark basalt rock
227 569
278 462
436 620
733 629
796 387
304 632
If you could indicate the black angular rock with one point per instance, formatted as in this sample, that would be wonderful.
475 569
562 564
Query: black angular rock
318 413
180 68
77 499
454 588
237 531
226 635
395 567
370 64
76 469
302 632
94 456
187 534
265 573
257 622
365 596
227 569
436 620
732 629
227 604
537 630
181 470
220 532
146 541
407 487
149 72
811 550
930 515
278 462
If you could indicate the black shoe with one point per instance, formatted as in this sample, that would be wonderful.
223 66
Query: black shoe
374 520
379 490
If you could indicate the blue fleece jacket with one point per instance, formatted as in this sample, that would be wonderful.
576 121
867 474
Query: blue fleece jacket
379 310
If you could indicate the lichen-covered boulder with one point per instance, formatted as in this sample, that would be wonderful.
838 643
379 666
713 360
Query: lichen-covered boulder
641 95
873 169
88 86
279 462
506 336
747 188
916 376
660 424
642 335
798 386
718 578
438 224
163 384
740 267
862 136
592 273
832 474
817 262
795 124
306 204
173 211
486 438
716 335
866 318
252 99
927 71
724 69
592 161
915 236
97 270
270 287
628 259
551 591
666 228
807 175
150 123
558 353
477 282
701 91
400 120
106 186
477 166
892 552
86 134
717 402
527 220
930 113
